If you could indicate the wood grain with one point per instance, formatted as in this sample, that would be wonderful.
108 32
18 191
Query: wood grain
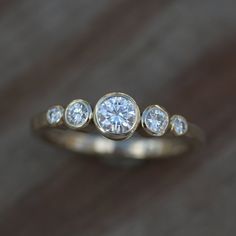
178 53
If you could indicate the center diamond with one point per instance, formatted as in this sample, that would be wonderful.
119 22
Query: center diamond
117 114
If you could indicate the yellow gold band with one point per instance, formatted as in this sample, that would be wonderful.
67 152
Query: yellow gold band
140 146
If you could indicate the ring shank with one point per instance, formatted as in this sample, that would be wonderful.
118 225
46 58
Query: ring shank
137 147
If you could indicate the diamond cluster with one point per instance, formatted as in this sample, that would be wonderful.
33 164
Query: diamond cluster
116 114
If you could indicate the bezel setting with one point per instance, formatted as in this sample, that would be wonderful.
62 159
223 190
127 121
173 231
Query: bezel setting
179 125
78 114
54 115
130 114
155 120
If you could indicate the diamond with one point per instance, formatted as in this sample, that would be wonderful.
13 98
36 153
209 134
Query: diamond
55 114
179 125
155 120
117 114
78 113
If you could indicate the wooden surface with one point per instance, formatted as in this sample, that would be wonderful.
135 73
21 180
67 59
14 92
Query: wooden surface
180 54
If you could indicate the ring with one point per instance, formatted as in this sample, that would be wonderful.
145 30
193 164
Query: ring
115 127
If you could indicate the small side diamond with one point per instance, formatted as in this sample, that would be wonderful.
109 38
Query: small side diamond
179 125
78 113
155 120
55 114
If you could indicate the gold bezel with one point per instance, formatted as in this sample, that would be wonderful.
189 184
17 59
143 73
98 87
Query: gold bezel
88 119
108 134
172 127
60 122
143 122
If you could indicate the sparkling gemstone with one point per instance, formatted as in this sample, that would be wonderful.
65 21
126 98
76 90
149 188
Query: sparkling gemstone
156 120
117 114
77 113
179 125
55 114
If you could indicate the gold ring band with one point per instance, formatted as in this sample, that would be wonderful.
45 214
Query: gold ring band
117 117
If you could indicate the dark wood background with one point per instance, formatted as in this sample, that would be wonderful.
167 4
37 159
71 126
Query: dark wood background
180 54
